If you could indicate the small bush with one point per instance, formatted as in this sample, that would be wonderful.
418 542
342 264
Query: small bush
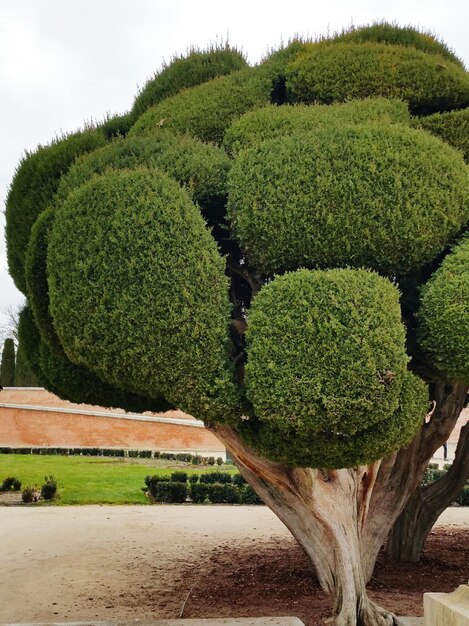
216 477
11 483
30 494
223 493
199 493
196 460
211 460
463 498
179 477
239 480
193 478
219 461
49 488
170 492
249 496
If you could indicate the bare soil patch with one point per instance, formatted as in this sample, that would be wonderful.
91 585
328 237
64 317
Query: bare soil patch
63 564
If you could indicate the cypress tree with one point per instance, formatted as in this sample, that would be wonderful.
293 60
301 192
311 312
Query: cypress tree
7 370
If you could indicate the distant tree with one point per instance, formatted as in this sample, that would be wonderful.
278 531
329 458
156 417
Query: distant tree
295 276
7 368
24 375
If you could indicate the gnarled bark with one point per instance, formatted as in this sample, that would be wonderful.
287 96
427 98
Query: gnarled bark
408 535
342 518
326 511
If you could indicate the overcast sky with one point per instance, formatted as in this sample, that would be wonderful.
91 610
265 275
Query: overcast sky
65 62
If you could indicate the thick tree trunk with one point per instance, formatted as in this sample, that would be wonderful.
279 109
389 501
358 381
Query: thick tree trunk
343 518
326 512
425 504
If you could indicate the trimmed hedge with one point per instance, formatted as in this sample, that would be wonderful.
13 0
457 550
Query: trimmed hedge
444 316
273 121
32 190
157 324
169 492
197 67
207 110
7 367
216 477
338 72
348 196
327 366
452 127
384 32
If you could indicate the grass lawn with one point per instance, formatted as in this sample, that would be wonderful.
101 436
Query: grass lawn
93 480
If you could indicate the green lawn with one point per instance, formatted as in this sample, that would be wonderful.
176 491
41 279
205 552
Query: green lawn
92 480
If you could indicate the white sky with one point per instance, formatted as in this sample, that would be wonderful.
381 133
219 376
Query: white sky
63 62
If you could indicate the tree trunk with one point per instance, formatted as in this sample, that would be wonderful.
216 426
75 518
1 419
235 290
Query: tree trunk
343 518
409 533
326 512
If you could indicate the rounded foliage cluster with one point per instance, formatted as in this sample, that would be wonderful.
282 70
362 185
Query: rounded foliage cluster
183 72
444 316
277 121
207 110
384 32
337 72
385 197
452 127
138 294
326 359
202 168
33 187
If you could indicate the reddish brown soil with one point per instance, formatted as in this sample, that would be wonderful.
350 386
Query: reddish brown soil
278 580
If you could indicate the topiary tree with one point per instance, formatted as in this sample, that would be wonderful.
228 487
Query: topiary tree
7 368
303 295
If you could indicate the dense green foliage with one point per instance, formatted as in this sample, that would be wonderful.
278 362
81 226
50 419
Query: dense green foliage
73 382
162 271
337 72
291 208
157 324
7 367
274 121
340 341
183 72
384 32
444 316
36 278
24 375
32 190
207 110
453 127
201 168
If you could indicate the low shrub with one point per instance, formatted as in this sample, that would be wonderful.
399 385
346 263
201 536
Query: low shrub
170 492
11 483
179 477
223 493
194 478
30 494
215 477
239 480
199 493
249 496
219 461
49 488
211 460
